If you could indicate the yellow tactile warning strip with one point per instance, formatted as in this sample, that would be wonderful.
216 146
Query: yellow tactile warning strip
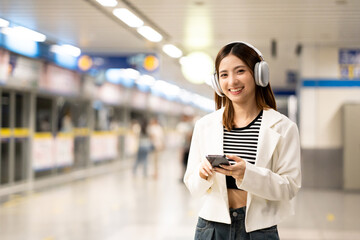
16 132
5 132
43 135
21 132
77 132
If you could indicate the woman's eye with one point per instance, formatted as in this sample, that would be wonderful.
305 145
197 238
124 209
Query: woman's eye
241 71
223 75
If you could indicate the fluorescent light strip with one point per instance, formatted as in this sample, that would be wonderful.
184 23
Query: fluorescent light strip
108 3
150 34
23 32
4 23
172 51
128 17
146 80
66 49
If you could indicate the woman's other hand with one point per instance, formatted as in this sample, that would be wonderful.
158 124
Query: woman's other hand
206 169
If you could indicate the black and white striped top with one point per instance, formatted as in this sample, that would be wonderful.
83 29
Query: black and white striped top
243 143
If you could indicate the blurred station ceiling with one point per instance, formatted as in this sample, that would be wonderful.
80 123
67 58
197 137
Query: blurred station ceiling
278 28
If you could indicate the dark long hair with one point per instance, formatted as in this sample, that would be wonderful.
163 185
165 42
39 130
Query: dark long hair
264 95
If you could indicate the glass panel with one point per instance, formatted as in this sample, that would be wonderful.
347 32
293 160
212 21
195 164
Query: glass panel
43 124
102 116
5 123
21 142
4 162
80 119
19 110
43 114
81 152
5 110
79 112
64 143
20 159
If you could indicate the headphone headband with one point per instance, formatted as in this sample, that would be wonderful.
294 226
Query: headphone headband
249 45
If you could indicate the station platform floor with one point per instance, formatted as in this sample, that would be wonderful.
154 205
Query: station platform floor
118 205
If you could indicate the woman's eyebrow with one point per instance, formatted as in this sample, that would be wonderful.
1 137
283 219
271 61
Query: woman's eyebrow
239 66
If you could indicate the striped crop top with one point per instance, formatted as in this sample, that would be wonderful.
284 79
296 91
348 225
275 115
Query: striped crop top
243 143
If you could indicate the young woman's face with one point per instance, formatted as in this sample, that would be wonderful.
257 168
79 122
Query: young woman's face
236 80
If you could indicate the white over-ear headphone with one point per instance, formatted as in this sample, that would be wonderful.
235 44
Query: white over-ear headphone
261 72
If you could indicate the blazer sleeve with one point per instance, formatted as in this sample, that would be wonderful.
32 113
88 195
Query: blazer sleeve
196 185
284 180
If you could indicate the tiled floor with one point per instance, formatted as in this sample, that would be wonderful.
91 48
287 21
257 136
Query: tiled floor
118 205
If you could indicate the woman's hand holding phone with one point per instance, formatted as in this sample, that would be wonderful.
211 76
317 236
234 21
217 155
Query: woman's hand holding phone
230 165
218 160
236 170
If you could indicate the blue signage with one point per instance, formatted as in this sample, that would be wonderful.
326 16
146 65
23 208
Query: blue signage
349 56
349 61
145 63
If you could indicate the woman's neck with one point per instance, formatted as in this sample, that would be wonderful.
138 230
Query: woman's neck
244 114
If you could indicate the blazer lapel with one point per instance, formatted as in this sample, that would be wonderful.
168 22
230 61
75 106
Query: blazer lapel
215 135
268 137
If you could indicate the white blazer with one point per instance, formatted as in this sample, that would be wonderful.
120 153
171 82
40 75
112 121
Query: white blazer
271 183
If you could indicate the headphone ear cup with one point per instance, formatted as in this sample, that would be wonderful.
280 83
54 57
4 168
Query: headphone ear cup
216 85
261 74
256 73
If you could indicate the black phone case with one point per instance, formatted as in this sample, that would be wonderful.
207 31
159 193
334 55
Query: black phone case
217 160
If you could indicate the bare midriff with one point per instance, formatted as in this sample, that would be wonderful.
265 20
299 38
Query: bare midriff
237 198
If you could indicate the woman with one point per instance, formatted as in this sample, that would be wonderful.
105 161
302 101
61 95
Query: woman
248 199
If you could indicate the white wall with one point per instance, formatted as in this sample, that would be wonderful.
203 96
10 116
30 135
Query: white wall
321 107
285 60
321 115
319 62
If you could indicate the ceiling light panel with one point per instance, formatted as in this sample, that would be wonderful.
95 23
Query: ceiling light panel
108 3
4 23
66 49
172 51
22 32
128 17
150 34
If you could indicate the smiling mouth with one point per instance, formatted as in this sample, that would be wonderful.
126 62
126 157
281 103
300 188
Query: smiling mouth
234 90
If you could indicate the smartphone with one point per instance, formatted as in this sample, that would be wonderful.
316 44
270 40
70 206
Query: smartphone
217 160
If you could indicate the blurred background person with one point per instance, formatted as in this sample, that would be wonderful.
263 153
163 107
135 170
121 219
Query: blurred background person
145 147
66 124
156 134
185 128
